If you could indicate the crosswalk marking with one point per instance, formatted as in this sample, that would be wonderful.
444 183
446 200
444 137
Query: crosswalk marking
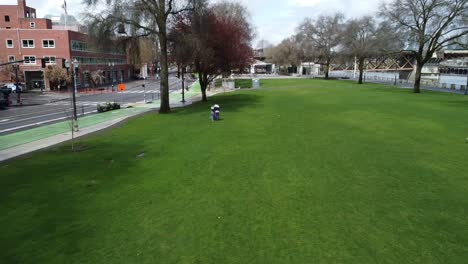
139 91
93 103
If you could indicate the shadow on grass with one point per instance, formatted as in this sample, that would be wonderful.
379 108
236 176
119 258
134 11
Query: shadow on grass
232 102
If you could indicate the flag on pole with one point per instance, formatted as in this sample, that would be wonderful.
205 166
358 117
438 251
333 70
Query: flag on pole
64 6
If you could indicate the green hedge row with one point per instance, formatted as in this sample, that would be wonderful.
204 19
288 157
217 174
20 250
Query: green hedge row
107 107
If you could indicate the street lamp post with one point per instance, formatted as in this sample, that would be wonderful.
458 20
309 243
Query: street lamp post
111 64
144 90
121 93
18 91
74 67
466 87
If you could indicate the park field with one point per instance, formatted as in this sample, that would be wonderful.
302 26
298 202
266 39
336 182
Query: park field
300 171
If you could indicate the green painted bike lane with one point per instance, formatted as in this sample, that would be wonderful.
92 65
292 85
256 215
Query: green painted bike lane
38 133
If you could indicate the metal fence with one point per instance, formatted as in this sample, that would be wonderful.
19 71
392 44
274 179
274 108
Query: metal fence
444 82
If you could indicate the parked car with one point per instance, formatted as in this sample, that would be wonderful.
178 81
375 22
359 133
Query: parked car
12 86
4 97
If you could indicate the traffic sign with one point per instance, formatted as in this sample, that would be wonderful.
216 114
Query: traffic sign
121 87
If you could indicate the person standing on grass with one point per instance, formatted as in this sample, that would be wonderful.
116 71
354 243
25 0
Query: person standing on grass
212 113
216 111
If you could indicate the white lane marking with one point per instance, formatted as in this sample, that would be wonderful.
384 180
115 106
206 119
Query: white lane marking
4 120
139 91
33 117
79 103
35 112
29 125
39 123
29 118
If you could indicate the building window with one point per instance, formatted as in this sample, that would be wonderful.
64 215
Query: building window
9 43
7 18
102 61
8 27
29 60
79 46
11 58
48 43
28 43
49 59
32 24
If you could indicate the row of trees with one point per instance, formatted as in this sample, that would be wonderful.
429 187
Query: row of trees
213 38
422 27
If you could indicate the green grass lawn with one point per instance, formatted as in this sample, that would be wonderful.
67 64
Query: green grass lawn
314 172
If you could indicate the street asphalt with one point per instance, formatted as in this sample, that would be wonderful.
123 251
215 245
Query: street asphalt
20 118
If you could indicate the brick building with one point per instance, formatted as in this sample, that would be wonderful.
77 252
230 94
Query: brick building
23 36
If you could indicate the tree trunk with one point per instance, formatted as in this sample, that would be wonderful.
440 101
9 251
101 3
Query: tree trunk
164 87
203 78
204 99
361 70
417 78
327 69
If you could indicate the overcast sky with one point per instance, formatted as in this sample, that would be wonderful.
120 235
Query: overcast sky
272 19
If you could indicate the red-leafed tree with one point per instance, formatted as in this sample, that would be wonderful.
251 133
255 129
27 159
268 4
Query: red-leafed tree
219 37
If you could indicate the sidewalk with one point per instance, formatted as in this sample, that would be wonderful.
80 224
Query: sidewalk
23 142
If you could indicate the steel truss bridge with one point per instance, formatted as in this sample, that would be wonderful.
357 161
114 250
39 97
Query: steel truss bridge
402 62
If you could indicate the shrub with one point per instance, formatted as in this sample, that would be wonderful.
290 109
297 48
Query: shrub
107 107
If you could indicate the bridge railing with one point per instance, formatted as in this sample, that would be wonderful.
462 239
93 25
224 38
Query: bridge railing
447 82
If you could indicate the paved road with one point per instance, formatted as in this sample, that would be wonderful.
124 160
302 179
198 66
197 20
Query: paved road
20 118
